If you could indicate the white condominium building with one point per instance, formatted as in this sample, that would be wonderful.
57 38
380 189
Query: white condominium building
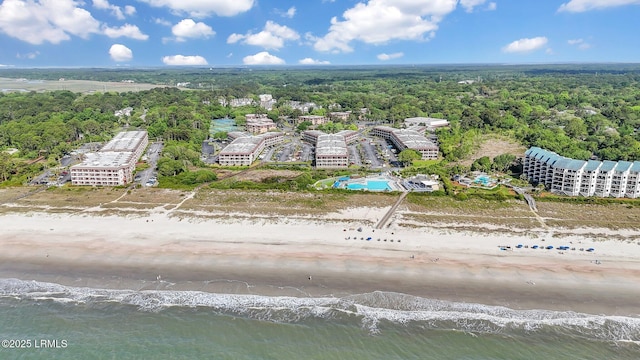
114 164
571 177
245 149
408 139
331 149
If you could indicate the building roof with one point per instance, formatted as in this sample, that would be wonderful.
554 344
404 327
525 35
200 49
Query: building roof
315 133
125 141
331 144
105 160
413 140
636 166
623 166
426 121
242 145
592 165
608 165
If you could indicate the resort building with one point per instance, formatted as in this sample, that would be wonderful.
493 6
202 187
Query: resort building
311 136
305 108
313 119
259 123
331 149
267 101
244 149
408 139
339 115
571 177
114 164
430 123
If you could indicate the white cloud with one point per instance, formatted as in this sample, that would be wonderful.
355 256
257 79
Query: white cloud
272 37
161 21
39 21
188 28
234 38
582 45
586 5
492 6
379 21
104 5
204 8
310 61
126 30
129 10
385 57
526 45
30 56
291 12
184 60
469 5
119 52
262 58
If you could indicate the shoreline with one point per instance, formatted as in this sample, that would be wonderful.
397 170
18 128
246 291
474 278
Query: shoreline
276 258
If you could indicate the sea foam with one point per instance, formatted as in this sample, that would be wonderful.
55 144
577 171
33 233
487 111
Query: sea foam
372 310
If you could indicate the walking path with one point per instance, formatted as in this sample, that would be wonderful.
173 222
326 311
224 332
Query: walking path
389 213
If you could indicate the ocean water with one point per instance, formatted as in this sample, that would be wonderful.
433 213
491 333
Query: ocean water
50 321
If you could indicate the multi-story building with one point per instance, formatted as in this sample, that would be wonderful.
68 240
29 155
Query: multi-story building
114 164
311 136
259 123
267 101
331 149
339 115
408 139
245 149
313 119
571 177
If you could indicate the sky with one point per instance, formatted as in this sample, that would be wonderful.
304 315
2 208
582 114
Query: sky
156 33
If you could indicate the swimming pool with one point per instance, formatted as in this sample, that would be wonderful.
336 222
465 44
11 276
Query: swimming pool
483 179
371 185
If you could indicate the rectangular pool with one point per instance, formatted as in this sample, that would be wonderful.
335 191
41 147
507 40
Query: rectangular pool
372 185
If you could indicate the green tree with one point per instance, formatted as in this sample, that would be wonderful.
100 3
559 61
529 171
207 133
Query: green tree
481 164
407 156
503 162
220 135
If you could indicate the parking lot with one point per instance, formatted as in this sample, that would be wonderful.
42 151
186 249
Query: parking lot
368 151
149 176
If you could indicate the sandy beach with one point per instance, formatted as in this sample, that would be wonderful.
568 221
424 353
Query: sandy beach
321 257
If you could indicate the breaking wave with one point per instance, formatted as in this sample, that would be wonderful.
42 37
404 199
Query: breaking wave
373 310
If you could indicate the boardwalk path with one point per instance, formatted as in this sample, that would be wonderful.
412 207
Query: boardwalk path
389 213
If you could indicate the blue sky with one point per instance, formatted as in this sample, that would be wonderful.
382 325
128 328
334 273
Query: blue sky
135 33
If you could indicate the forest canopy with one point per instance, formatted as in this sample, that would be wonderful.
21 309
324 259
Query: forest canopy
578 111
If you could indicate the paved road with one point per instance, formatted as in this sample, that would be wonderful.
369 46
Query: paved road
153 154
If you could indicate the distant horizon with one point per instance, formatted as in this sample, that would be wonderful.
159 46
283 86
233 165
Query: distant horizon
336 66
239 33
